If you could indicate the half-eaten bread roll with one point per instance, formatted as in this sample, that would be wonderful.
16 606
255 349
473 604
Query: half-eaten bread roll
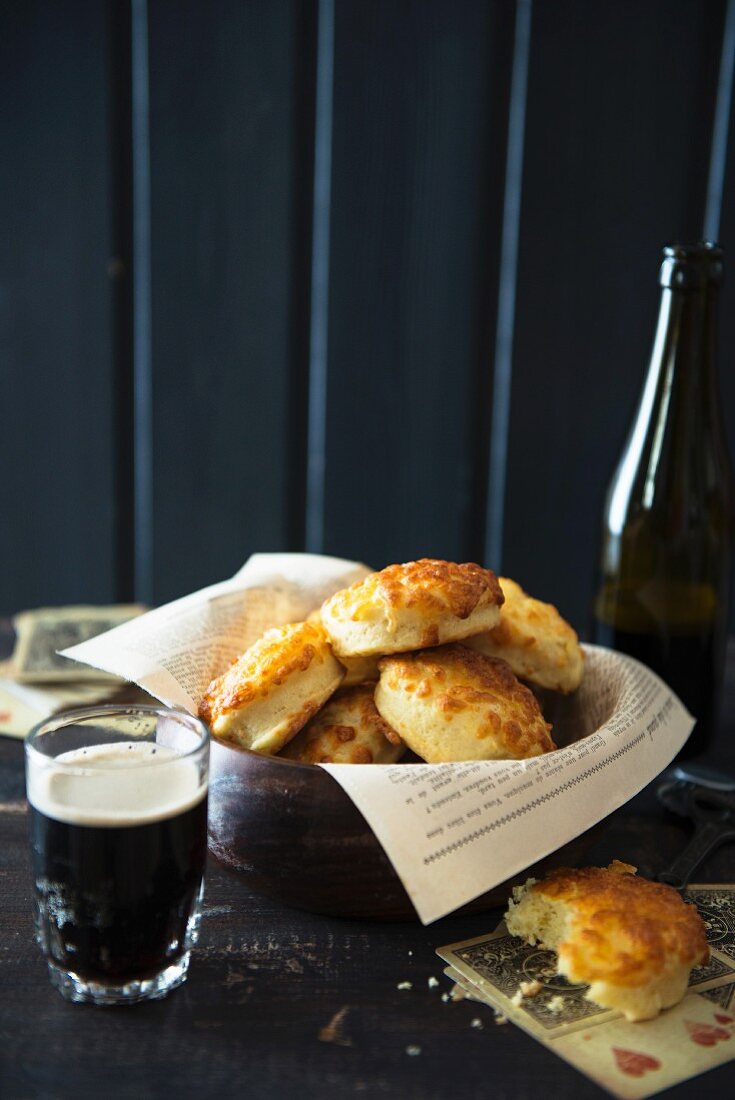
634 942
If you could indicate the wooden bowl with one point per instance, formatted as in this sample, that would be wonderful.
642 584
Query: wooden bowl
297 837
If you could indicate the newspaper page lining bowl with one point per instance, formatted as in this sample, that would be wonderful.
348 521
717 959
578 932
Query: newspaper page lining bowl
391 841
366 838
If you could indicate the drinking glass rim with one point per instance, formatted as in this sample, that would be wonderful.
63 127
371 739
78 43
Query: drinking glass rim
103 710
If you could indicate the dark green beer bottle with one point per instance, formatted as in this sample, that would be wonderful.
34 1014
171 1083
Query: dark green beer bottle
668 519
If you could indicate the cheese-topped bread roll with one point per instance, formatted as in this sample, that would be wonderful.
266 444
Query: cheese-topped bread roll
360 670
451 703
632 941
411 606
269 693
533 638
348 730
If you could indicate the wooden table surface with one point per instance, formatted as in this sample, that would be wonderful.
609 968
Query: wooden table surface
265 981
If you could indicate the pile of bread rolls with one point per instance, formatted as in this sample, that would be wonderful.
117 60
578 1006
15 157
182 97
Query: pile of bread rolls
428 655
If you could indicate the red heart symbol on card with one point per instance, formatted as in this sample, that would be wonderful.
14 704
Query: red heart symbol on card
705 1034
634 1062
724 1019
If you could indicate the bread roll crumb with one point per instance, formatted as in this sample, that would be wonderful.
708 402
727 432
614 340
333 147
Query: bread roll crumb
633 941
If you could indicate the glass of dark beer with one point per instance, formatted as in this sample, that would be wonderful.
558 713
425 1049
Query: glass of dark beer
118 800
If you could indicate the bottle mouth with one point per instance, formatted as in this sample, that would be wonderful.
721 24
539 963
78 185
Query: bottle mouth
692 266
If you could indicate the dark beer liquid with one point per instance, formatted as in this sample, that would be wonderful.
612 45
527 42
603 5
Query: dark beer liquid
113 903
118 850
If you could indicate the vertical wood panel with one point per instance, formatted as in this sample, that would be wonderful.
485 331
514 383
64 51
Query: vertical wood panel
121 276
319 311
727 308
420 114
58 453
619 118
231 94
507 286
142 358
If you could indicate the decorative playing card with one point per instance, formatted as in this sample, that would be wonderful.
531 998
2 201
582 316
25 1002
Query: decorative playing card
631 1060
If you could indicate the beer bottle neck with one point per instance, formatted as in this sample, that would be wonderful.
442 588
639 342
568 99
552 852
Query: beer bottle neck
682 366
678 413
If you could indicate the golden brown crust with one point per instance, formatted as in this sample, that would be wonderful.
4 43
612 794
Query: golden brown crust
428 583
623 929
348 730
413 605
264 667
273 689
538 644
450 703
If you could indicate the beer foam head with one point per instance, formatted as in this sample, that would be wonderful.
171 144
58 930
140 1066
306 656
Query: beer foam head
126 783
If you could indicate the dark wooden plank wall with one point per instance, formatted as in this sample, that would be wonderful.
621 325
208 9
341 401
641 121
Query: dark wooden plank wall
231 165
394 448
56 246
420 116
